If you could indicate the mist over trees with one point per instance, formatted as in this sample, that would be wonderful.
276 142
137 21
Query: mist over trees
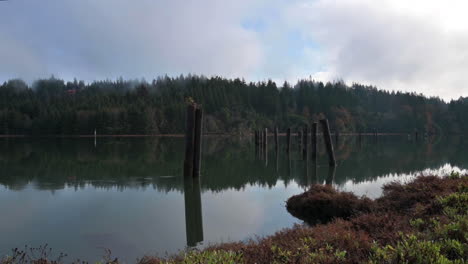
53 106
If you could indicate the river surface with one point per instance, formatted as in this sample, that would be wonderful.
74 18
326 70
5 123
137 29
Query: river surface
128 195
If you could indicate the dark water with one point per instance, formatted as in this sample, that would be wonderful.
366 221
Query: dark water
129 196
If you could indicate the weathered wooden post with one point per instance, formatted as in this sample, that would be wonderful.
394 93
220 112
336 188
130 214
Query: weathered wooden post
314 142
305 146
337 137
328 142
300 137
276 140
266 146
288 140
189 141
198 142
255 139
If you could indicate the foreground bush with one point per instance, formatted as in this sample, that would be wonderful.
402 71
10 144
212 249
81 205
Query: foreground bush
322 203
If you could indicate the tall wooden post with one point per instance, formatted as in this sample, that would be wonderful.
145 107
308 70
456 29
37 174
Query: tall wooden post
260 135
198 142
328 142
276 140
288 140
189 141
300 137
265 146
314 142
305 146
255 139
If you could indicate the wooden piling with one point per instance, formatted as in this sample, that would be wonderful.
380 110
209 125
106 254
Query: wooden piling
276 140
255 139
265 154
328 142
189 141
314 142
337 137
305 145
260 137
300 136
288 140
198 142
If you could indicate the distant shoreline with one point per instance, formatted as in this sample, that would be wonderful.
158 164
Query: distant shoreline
181 135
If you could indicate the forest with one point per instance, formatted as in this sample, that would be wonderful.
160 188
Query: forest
122 107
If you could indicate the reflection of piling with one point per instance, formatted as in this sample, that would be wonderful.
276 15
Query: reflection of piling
331 175
198 142
189 141
315 174
314 142
328 142
337 137
277 160
288 141
416 135
276 140
193 211
305 145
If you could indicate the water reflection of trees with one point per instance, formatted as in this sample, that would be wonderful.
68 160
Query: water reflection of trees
52 164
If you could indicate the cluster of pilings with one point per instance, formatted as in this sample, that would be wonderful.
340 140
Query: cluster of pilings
261 141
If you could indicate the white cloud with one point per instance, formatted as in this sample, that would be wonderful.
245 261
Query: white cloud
111 38
395 44
422 46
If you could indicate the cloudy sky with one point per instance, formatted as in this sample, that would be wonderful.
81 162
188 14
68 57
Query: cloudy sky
416 45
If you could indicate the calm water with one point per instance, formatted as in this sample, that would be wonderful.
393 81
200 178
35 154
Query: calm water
128 195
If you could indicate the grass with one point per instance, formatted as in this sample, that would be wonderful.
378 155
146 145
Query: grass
423 221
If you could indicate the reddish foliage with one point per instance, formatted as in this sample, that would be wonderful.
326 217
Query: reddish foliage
420 192
322 203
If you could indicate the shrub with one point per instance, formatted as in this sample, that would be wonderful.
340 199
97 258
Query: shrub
322 203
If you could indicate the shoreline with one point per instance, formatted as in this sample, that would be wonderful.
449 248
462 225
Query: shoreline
421 221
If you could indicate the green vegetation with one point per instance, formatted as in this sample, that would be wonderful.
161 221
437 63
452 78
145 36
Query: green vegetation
203 257
54 107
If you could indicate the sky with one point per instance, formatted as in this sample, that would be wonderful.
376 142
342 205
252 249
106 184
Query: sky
416 45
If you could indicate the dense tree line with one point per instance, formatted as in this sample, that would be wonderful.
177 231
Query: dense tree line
53 106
